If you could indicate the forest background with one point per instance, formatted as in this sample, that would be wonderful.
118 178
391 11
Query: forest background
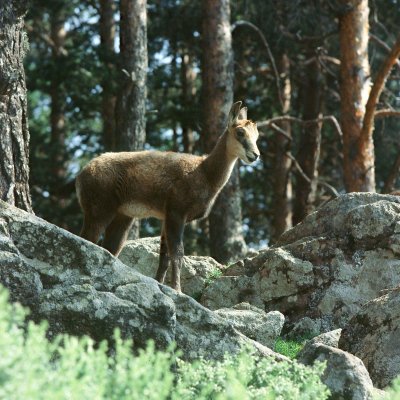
316 75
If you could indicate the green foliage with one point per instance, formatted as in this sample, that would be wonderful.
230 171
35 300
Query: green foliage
289 348
249 377
213 275
394 391
31 367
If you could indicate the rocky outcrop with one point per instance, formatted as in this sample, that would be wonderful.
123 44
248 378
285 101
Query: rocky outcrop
345 375
81 288
323 270
328 338
373 335
197 272
255 323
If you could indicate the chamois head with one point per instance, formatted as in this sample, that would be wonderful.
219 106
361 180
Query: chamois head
242 134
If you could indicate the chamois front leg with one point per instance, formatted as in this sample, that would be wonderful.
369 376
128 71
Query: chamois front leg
174 227
163 263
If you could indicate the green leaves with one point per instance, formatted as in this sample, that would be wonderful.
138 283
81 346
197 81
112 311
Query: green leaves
31 367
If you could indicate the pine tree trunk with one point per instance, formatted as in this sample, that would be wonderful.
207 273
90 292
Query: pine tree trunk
358 157
131 102
225 221
107 37
282 203
188 77
57 116
310 142
14 143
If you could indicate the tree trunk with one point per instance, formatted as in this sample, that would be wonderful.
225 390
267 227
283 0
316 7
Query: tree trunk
14 143
358 155
57 116
225 221
282 197
131 102
188 77
310 142
107 37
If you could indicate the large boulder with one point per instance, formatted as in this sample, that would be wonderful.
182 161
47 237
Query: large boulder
324 269
81 288
345 375
197 272
373 335
255 323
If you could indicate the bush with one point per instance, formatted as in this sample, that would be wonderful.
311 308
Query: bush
394 391
31 367
289 348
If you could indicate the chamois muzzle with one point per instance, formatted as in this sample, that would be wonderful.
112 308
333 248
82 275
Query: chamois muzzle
253 156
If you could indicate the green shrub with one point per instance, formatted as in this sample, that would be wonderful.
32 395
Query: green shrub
394 391
213 275
289 348
32 368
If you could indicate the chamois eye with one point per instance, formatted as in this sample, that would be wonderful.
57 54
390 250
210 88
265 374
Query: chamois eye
240 133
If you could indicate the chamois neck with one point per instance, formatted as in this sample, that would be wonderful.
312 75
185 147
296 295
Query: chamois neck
218 165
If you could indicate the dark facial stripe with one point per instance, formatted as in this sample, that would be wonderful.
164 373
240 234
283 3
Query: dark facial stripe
244 142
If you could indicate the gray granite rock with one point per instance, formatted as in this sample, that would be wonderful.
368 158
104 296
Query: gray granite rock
373 335
81 288
345 375
324 269
255 323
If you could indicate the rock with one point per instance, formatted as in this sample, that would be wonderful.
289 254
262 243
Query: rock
197 272
373 335
255 323
81 288
345 375
305 328
328 338
324 268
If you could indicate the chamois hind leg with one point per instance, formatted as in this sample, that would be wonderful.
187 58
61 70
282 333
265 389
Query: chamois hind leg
163 262
93 227
116 233
174 227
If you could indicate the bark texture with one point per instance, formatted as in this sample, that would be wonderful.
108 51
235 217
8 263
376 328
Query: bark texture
358 152
225 221
107 37
310 142
14 135
57 116
282 204
131 102
188 77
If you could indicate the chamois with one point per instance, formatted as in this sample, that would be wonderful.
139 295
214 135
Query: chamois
176 188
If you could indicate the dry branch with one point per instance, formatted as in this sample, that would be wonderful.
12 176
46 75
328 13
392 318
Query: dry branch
383 45
298 167
270 55
376 90
387 113
328 118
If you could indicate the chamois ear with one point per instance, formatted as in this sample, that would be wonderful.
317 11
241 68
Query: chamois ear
243 113
234 113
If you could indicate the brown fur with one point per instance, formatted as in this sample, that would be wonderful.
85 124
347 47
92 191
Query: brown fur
177 188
